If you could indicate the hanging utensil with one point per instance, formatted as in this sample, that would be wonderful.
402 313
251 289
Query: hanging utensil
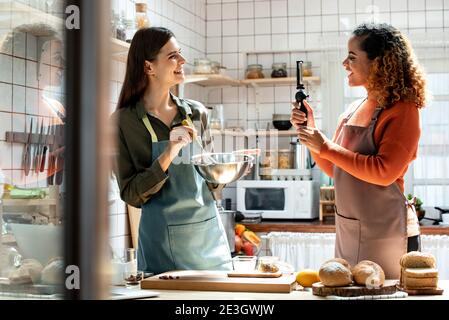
44 150
37 156
60 157
51 156
27 152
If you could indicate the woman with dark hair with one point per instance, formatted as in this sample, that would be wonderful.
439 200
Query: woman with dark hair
179 227
375 141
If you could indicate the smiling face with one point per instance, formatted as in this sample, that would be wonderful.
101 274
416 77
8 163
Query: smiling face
167 68
357 64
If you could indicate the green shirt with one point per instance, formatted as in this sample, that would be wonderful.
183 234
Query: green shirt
138 177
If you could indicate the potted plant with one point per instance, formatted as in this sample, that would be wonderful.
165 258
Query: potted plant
420 212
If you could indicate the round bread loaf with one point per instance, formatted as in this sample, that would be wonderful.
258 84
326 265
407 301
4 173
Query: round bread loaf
416 259
335 274
368 273
28 272
340 260
53 272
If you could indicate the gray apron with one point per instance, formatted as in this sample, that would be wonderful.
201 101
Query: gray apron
180 227
371 220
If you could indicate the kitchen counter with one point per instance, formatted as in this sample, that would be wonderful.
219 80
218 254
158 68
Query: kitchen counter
326 226
294 295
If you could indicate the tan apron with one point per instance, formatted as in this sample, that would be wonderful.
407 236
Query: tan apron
371 220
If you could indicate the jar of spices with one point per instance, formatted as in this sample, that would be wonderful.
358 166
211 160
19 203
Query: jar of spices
307 69
202 66
121 28
279 70
284 159
142 20
254 71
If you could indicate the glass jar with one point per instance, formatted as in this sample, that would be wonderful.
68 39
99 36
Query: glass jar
284 159
142 20
130 30
121 28
279 70
307 69
254 71
202 66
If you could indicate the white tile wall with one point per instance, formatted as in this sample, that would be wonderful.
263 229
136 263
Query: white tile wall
297 25
187 19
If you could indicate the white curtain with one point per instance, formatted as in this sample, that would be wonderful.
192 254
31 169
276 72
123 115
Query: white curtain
310 250
438 245
302 250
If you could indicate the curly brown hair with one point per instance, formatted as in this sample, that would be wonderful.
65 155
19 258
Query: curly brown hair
395 73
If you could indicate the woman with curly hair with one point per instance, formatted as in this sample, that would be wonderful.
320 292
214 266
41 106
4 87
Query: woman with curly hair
375 141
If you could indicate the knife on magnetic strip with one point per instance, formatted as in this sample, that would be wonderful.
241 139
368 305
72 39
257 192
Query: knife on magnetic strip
27 152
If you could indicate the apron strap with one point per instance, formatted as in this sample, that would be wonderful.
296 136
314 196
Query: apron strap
375 116
150 129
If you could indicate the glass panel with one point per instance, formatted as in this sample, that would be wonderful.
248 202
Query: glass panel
264 199
32 103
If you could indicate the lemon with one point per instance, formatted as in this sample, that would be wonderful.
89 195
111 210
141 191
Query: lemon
307 277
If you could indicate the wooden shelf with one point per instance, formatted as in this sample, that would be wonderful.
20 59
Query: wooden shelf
119 50
22 14
277 81
211 80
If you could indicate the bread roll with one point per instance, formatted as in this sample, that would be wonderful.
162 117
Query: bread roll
335 274
368 273
340 260
53 272
421 273
416 259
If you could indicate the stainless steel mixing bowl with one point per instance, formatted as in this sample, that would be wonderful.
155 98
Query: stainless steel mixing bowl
222 168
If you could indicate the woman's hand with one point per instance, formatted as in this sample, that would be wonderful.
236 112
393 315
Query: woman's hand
312 138
180 137
298 117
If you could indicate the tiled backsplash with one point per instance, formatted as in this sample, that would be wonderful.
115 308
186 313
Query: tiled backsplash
223 30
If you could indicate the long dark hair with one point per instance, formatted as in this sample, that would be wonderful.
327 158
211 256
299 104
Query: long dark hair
145 45
395 73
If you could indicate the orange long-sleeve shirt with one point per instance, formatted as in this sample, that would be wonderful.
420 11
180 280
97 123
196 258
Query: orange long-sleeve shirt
396 136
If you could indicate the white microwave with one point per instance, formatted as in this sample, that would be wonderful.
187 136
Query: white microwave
276 199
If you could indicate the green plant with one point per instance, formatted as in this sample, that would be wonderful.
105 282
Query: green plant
418 202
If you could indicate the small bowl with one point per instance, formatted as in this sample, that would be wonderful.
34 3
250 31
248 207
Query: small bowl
244 263
282 124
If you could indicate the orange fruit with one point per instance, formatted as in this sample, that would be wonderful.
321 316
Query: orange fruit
307 277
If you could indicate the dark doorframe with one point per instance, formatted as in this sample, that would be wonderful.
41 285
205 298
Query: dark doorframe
87 163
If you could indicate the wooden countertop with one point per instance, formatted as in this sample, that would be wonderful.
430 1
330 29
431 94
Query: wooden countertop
326 226
294 295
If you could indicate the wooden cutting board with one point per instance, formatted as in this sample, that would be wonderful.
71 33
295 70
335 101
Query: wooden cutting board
255 274
423 292
199 280
389 287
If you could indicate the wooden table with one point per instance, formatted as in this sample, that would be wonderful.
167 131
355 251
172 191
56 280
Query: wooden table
294 295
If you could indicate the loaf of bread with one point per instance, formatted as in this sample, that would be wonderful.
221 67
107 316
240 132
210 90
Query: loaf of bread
340 260
421 282
416 259
28 272
335 274
368 273
53 272
421 273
